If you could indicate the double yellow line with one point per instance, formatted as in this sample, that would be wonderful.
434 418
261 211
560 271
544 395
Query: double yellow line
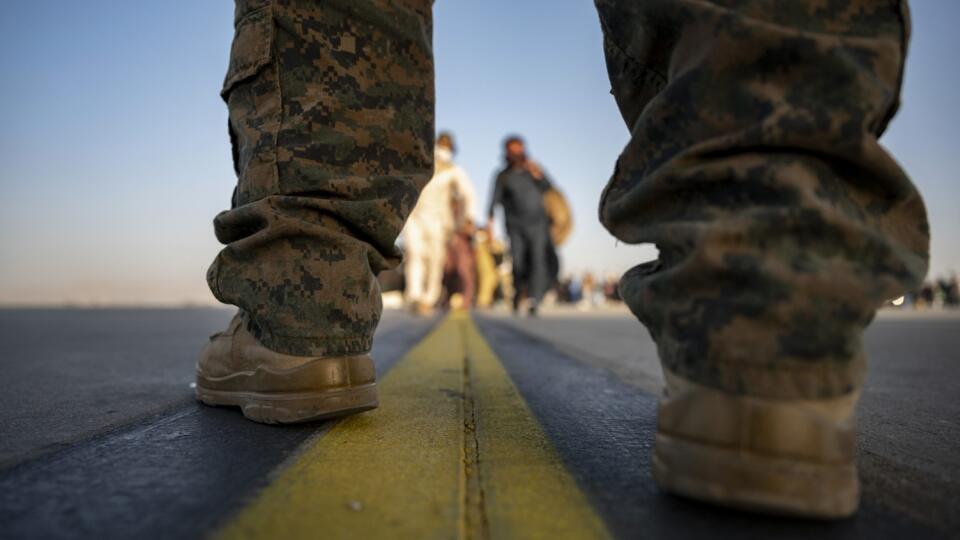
452 452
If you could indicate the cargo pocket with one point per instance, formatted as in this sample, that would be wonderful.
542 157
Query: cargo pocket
252 93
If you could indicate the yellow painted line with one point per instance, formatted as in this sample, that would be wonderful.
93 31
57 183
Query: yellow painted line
452 452
527 491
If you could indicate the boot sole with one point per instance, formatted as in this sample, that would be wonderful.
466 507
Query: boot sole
273 408
753 482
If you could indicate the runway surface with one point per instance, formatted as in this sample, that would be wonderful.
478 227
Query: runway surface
489 427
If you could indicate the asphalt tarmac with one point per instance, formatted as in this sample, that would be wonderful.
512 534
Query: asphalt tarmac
100 435
593 380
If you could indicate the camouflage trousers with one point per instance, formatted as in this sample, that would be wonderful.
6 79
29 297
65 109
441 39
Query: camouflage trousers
753 165
331 120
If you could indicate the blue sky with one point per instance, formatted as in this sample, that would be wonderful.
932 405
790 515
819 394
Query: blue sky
114 155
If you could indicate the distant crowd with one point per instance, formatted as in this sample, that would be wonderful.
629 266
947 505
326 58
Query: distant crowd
452 260
588 291
942 292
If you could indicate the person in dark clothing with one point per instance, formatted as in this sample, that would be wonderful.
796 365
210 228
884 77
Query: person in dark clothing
519 189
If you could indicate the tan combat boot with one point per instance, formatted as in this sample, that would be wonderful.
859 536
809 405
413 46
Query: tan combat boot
785 457
270 387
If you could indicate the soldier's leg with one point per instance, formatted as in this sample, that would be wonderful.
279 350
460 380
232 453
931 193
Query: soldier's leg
331 120
782 226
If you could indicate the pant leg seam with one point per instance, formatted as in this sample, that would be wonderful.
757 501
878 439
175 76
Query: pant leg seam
638 70
275 57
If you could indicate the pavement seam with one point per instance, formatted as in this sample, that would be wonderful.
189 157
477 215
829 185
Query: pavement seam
529 492
51 452
475 524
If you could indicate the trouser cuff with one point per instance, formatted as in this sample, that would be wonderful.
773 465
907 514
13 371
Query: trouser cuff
316 346
823 379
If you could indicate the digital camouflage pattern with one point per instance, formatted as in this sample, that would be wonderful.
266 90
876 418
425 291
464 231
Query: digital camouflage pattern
754 166
331 120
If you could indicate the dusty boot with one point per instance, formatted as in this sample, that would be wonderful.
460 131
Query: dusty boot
791 457
270 387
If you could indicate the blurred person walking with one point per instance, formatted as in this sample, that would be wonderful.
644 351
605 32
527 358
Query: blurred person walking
753 165
460 269
590 294
949 290
445 208
484 251
519 190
